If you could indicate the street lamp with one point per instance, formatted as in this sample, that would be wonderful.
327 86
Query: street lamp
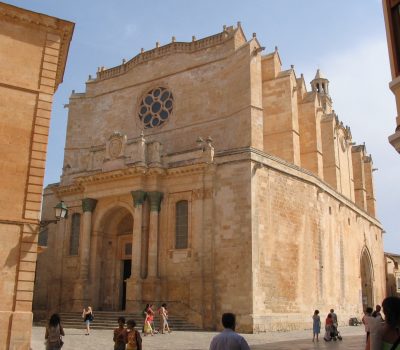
60 212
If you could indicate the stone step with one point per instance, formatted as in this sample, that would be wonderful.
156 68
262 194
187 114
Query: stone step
108 320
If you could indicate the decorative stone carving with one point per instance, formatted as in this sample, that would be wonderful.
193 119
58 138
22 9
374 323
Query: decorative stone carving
208 155
138 197
115 152
136 151
154 153
141 150
342 143
115 146
89 204
155 200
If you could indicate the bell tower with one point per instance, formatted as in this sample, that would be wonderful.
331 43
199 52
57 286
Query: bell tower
320 85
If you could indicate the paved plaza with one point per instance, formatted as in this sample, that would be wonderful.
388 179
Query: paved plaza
353 339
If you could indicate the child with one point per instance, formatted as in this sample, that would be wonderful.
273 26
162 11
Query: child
147 324
316 325
133 337
120 335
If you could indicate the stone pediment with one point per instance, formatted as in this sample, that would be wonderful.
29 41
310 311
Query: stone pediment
175 47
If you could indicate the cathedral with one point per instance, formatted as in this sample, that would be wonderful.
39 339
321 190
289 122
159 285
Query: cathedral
204 175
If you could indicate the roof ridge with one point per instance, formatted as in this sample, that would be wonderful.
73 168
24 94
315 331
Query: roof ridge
173 47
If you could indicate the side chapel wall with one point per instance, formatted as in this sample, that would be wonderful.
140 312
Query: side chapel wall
304 236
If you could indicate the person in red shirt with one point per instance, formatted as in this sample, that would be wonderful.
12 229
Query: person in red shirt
328 328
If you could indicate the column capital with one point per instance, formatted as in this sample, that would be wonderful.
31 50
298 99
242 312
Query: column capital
138 197
155 198
88 204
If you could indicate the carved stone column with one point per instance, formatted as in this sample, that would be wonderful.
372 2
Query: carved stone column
81 286
155 204
134 283
138 200
88 206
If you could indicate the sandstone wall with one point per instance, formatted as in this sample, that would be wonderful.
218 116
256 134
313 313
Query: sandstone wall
307 253
33 50
216 93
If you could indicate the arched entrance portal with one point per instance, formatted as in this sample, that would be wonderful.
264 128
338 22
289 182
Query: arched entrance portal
115 257
366 279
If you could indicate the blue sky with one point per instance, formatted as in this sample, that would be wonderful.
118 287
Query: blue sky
345 39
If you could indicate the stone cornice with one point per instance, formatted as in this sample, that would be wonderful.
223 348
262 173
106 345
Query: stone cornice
394 140
278 164
173 47
221 157
101 177
51 24
69 189
187 169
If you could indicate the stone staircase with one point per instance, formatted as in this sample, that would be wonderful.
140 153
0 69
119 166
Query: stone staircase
108 320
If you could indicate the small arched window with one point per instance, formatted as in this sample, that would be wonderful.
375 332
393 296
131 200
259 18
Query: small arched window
75 233
181 225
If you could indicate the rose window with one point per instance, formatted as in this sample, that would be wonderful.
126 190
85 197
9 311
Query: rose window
156 107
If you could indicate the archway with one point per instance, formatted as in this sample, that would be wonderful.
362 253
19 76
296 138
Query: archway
114 258
366 274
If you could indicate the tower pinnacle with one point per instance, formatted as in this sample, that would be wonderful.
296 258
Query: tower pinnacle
320 85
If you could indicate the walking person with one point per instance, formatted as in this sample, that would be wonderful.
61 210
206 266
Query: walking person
120 335
328 328
54 333
377 313
316 325
228 339
366 320
163 312
334 318
88 317
134 340
151 319
145 315
388 336
148 329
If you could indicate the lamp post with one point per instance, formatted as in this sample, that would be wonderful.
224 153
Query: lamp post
60 212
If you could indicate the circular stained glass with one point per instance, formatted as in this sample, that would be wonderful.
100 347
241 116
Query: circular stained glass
156 107
164 96
164 114
148 100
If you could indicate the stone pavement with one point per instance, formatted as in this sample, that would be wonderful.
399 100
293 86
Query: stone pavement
353 339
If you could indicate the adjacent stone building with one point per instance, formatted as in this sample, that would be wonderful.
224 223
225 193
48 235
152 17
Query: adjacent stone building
391 12
392 274
33 53
204 175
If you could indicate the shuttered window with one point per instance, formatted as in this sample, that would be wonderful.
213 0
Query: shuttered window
75 233
181 222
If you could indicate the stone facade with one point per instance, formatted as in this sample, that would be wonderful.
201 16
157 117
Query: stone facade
392 22
392 274
216 182
33 53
